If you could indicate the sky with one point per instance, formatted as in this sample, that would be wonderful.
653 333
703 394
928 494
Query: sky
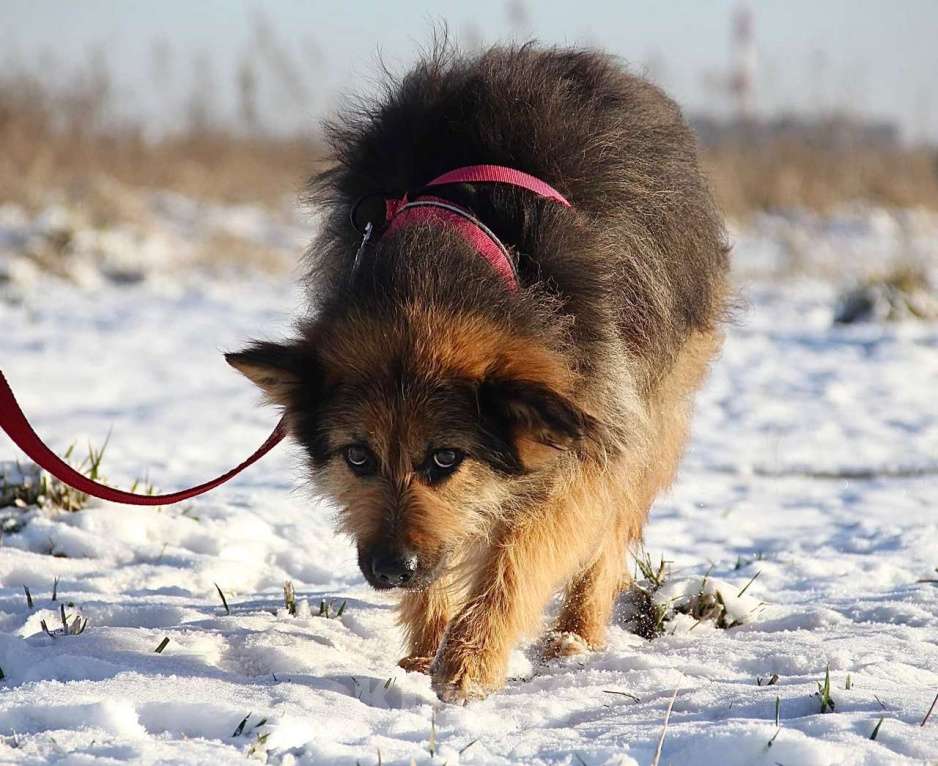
875 58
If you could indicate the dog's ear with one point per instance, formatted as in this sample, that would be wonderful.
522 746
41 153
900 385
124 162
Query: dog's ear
276 368
539 420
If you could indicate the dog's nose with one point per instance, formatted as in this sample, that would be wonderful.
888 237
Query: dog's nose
394 570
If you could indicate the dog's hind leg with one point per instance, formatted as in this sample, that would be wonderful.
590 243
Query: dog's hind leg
424 615
590 598
591 595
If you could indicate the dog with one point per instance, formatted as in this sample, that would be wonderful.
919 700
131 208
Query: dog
493 437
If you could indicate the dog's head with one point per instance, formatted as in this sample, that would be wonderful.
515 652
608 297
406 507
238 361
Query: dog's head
422 426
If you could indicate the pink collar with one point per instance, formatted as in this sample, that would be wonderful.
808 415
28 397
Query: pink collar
429 208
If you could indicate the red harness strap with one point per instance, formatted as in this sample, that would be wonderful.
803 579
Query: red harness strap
428 208
14 423
399 212
498 174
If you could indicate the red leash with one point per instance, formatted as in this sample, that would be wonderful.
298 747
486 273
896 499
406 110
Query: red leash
14 423
423 208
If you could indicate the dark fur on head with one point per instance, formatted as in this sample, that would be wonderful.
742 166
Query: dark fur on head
570 394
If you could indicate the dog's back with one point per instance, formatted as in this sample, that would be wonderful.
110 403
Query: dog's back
639 258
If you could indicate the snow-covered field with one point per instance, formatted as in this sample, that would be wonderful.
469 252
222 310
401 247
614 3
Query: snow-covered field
813 466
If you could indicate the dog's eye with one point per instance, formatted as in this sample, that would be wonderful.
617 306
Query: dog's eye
442 463
360 459
446 459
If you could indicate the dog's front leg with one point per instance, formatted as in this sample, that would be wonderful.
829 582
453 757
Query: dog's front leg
424 615
524 566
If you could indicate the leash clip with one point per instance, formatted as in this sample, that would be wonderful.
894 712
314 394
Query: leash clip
366 235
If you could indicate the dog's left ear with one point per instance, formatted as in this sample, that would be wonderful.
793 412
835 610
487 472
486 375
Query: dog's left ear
278 369
540 421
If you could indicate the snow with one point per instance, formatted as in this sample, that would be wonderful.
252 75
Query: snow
793 406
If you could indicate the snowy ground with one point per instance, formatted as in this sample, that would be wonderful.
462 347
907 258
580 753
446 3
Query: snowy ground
791 404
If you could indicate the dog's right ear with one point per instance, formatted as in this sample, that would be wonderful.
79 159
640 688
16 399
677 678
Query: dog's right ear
278 369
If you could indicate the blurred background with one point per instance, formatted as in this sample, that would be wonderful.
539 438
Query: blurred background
145 136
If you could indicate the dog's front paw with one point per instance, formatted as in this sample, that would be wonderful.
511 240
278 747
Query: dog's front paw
458 677
416 664
564 644
459 689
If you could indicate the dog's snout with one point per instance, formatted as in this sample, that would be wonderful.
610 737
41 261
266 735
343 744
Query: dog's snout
394 569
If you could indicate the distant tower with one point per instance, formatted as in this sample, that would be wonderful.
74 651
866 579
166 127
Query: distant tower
743 68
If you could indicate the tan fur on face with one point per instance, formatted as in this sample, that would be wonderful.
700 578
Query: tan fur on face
396 505
441 343
437 345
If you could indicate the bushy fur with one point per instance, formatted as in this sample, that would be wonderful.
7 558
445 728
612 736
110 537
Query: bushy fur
569 399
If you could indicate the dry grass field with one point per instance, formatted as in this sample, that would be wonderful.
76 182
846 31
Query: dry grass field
62 138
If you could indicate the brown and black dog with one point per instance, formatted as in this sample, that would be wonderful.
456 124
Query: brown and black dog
488 447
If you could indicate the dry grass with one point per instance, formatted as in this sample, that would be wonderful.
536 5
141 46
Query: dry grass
899 293
63 137
781 174
222 250
28 487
